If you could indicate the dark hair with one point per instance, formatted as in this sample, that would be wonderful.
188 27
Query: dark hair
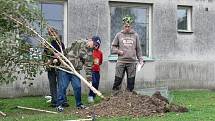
52 30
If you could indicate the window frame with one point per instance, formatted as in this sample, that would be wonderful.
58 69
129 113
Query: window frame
189 10
34 53
65 16
113 57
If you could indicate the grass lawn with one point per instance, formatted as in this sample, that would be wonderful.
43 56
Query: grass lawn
201 104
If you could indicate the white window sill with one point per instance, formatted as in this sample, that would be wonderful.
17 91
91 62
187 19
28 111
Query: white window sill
115 57
184 31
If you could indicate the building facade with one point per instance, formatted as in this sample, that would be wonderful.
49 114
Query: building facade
177 39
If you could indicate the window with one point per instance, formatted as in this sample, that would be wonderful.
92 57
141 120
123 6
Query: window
184 18
54 15
141 15
53 12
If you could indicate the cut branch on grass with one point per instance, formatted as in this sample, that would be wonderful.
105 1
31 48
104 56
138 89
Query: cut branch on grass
90 119
3 114
62 58
34 109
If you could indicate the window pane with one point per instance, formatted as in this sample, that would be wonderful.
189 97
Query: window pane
56 24
32 40
142 30
53 14
140 15
182 19
53 11
141 24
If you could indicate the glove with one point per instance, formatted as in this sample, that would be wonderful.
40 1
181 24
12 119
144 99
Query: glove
48 62
55 61
89 78
56 55
142 63
120 52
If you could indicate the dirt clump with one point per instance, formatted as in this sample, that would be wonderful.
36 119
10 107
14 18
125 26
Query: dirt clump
131 104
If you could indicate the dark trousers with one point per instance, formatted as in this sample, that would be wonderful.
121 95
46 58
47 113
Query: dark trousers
52 76
95 82
121 69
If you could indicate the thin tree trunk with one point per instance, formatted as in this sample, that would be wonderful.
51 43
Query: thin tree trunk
34 109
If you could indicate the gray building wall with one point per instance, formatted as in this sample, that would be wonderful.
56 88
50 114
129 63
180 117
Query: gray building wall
181 60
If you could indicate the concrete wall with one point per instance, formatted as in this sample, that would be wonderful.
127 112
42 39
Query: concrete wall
185 60
20 87
185 57
182 60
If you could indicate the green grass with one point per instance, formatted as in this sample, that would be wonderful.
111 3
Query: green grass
201 104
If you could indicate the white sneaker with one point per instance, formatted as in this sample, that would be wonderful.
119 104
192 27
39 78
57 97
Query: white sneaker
82 107
90 99
49 99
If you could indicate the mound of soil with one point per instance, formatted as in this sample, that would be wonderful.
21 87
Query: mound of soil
131 104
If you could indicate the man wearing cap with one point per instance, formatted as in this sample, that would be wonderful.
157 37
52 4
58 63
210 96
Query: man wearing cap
126 45
79 54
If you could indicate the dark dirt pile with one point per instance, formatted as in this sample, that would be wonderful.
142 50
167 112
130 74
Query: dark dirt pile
131 104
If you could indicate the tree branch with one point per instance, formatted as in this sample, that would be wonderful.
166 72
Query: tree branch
66 63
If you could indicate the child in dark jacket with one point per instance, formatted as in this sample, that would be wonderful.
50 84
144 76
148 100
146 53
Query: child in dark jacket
57 43
97 61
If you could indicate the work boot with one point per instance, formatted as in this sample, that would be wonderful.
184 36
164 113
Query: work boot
130 84
65 105
115 92
117 83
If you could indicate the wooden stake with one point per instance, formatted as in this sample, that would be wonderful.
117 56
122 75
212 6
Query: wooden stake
34 109
3 114
81 120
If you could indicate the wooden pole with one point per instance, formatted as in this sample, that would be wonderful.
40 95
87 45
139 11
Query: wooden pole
89 85
81 120
34 109
84 80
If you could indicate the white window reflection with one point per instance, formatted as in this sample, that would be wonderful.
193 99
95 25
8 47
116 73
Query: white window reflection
184 18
